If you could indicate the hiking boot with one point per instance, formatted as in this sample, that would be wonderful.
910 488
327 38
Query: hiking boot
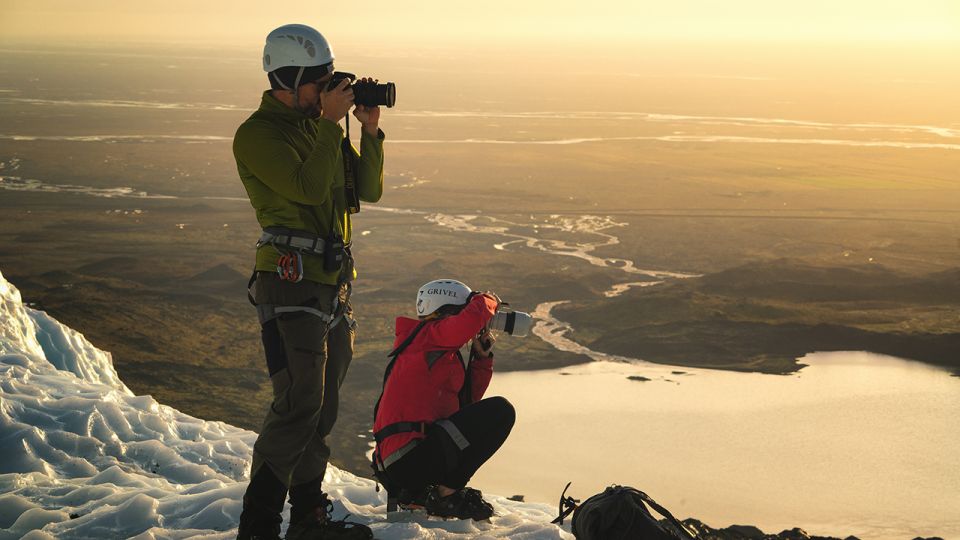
413 499
266 535
466 503
320 526
253 529
262 504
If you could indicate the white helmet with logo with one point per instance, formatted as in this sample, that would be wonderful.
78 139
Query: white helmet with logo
441 292
295 45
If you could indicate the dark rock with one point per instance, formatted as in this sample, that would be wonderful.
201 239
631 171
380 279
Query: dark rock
744 531
748 532
640 378
795 533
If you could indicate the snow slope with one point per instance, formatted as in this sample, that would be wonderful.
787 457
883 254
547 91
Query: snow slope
82 457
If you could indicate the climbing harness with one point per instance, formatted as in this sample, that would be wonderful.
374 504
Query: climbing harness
290 245
268 312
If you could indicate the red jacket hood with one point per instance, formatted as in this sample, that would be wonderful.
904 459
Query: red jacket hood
405 325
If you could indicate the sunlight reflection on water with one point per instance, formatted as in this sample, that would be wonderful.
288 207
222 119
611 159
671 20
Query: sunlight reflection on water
833 448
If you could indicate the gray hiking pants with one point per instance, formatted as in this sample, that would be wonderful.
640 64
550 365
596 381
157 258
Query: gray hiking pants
307 360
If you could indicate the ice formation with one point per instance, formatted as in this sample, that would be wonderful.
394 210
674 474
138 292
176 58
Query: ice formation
81 456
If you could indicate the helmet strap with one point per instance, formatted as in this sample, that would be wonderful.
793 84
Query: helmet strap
296 90
279 80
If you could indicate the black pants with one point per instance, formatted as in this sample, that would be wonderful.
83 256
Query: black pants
438 459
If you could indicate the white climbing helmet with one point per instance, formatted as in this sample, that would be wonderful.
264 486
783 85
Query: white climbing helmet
441 292
295 45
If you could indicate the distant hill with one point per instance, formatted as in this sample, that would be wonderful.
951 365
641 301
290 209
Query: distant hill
806 283
439 269
221 276
110 265
134 269
762 316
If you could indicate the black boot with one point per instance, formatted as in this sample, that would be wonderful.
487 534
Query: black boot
413 499
319 525
262 504
467 503
306 498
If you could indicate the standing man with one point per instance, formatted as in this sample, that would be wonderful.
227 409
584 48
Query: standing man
291 158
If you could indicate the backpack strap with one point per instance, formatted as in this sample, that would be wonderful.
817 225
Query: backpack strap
376 462
394 354
663 512
465 395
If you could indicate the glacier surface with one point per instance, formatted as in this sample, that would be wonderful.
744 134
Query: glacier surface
81 456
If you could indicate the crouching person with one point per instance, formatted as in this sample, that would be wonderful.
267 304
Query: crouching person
432 427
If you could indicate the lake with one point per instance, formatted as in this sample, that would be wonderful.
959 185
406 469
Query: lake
854 443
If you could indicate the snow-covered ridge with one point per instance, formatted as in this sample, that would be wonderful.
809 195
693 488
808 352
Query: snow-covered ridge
82 457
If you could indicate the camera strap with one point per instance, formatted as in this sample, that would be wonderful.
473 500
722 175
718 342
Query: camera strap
465 395
351 194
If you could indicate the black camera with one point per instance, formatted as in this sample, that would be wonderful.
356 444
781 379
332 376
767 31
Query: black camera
368 94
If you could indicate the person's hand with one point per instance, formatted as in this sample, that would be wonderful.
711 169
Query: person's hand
335 103
368 116
483 343
493 296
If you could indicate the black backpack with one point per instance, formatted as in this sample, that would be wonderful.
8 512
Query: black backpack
621 512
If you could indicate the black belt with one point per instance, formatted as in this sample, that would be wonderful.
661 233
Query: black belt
400 427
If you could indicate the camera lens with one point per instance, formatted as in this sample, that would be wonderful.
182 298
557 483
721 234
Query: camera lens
371 94
515 323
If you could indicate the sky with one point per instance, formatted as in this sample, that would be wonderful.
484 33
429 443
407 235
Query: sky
477 23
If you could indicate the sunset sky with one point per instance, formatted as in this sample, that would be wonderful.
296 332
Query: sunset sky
427 21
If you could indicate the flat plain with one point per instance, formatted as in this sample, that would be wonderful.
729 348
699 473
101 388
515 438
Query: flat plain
780 216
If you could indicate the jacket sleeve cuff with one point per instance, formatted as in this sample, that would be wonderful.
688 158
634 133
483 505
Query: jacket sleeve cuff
364 134
482 362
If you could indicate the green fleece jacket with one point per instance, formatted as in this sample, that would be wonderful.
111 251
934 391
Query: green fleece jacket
292 168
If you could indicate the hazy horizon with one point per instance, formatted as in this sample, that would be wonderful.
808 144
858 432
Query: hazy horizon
851 61
497 21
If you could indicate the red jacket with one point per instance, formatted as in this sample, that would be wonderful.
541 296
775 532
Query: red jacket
427 376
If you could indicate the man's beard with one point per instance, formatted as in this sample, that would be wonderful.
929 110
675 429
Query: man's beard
312 111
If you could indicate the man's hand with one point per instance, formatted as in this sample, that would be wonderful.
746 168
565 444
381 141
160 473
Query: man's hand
335 103
483 343
368 116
